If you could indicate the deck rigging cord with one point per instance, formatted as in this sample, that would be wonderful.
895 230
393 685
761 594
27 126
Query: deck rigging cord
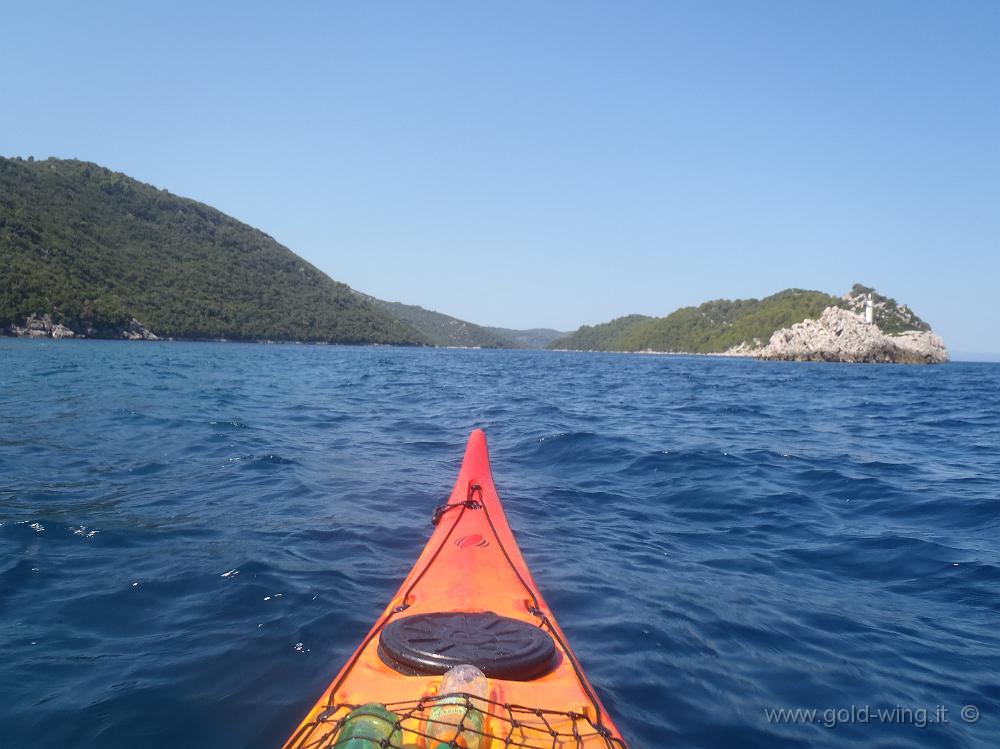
416 709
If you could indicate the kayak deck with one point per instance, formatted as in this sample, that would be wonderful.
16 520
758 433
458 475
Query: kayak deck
506 726
472 569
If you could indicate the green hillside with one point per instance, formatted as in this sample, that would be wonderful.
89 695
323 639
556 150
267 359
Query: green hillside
602 337
717 326
94 248
440 329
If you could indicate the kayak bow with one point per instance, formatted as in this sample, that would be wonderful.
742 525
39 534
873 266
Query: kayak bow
469 599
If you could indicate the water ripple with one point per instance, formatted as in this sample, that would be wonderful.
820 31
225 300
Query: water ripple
193 537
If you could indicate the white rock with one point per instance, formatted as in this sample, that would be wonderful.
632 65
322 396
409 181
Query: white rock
136 331
842 335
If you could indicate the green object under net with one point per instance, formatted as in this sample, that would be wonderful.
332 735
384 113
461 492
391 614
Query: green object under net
456 720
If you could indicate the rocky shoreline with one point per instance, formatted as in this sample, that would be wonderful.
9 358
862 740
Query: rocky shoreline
840 335
42 326
844 336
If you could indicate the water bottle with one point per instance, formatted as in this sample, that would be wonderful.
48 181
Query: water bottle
450 712
366 727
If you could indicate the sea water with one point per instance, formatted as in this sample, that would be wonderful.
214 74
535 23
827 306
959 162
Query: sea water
195 536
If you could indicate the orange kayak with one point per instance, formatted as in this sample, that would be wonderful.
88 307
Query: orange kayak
469 599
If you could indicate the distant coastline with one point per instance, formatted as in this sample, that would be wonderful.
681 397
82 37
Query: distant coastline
958 358
92 253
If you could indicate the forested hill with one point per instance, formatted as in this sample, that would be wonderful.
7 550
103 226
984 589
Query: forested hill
444 330
720 325
441 329
94 249
603 337
530 338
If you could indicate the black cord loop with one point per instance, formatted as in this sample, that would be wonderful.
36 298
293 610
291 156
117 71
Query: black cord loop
469 503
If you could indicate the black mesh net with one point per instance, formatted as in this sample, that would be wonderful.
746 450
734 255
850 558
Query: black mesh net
452 720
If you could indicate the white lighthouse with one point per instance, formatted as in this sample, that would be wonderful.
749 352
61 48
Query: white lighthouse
869 310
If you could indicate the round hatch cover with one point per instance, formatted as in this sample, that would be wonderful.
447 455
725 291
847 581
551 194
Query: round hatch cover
501 647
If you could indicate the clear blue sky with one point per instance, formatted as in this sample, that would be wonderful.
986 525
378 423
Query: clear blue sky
552 164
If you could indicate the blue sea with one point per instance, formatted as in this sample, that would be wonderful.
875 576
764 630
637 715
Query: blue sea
195 536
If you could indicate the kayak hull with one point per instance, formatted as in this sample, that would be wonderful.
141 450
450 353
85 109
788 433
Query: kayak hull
471 565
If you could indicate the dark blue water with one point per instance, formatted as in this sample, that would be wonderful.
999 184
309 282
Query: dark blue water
193 537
